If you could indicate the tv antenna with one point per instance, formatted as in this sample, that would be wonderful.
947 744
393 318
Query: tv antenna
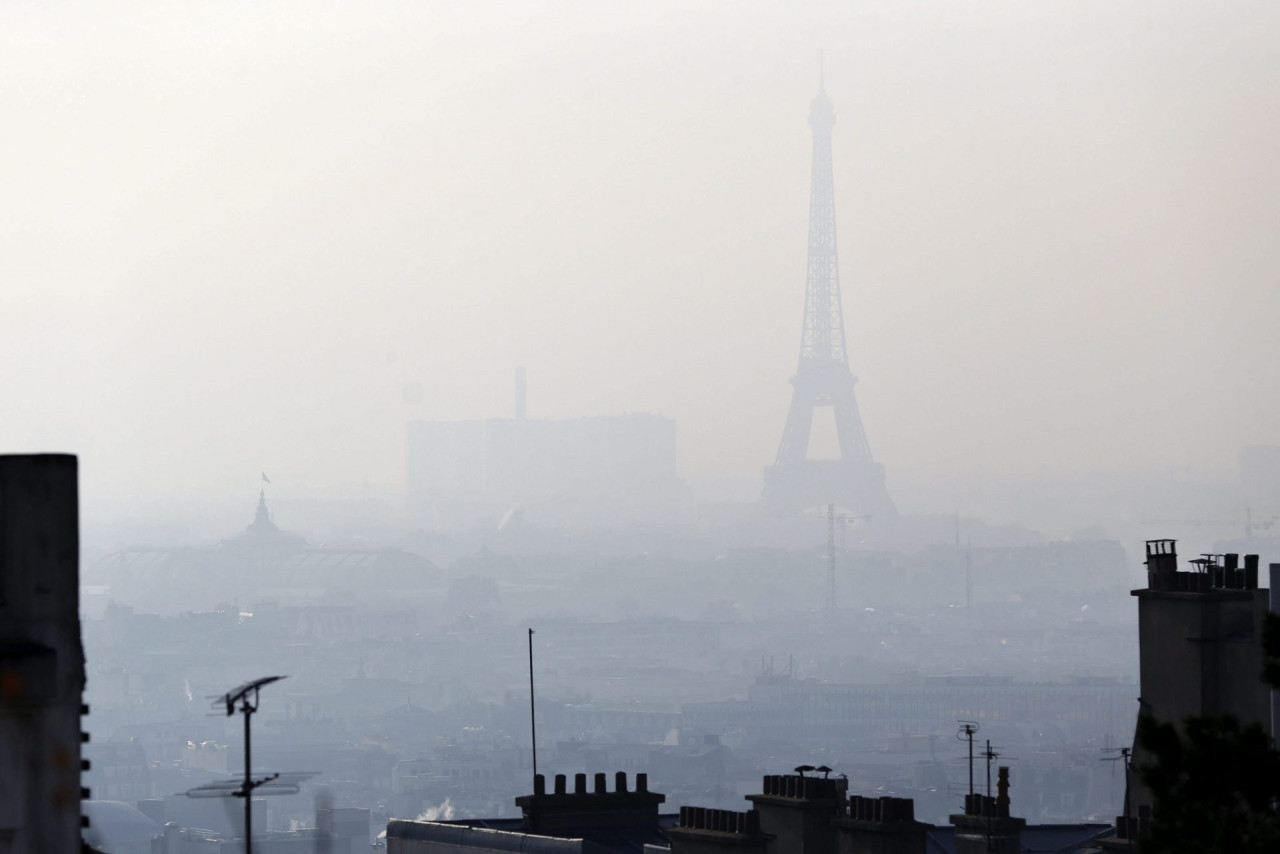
244 699
965 733
992 755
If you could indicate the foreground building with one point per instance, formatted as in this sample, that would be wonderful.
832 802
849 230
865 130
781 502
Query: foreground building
1200 635
583 821
792 814
41 659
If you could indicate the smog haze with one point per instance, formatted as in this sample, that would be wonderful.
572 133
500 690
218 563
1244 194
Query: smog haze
242 236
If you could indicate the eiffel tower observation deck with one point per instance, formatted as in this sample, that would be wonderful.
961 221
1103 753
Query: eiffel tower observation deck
854 481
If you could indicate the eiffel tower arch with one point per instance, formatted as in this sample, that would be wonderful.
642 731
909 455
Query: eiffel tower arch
855 481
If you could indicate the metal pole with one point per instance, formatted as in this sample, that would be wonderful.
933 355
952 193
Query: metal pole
831 563
968 581
969 732
1125 753
988 754
533 720
248 784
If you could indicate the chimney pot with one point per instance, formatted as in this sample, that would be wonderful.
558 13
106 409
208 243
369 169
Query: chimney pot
620 782
600 783
642 782
539 784
560 781
579 784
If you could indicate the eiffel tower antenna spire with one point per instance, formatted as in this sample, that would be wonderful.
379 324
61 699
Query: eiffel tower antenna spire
855 481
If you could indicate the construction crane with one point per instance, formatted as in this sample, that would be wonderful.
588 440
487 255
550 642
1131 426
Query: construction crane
833 514
1250 524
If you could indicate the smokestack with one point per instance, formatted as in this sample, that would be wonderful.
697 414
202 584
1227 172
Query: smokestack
520 394
1002 790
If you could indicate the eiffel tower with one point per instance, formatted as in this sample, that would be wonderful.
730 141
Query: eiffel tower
855 481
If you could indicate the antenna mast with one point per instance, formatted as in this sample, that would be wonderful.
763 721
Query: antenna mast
533 720
244 699
990 755
968 580
831 565
248 706
967 730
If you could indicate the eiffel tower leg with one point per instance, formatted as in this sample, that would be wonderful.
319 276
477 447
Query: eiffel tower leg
853 438
794 447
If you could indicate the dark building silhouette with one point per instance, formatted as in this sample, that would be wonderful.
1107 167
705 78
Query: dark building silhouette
986 826
855 481
582 820
41 659
1200 638
792 814
885 825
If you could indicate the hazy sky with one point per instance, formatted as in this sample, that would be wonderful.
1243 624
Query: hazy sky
231 233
